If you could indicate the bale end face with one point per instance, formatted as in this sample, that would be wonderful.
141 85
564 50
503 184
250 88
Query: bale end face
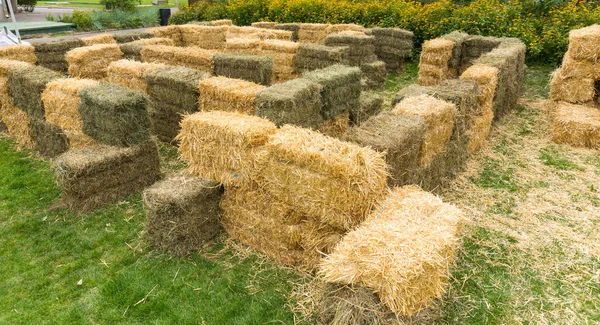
576 125
226 94
26 85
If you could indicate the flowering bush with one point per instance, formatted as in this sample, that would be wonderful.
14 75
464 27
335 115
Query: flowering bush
543 25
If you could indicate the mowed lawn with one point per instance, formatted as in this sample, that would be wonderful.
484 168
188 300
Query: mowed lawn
530 251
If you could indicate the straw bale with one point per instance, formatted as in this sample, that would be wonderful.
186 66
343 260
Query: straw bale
264 24
98 175
189 57
317 51
439 117
243 32
25 53
576 125
361 48
403 251
50 141
223 146
104 38
6 65
312 33
253 68
480 129
336 28
61 105
18 124
222 22
374 74
584 43
317 240
456 61
243 46
292 27
271 34
431 75
475 46
334 181
205 37
370 105
131 74
397 33
133 50
340 89
171 31
295 102
227 94
91 62
398 138
571 90
182 213
130 36
437 52
280 46
114 115
579 69
56 45
336 127
26 85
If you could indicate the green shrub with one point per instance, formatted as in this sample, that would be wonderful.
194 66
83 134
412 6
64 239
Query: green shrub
128 5
114 19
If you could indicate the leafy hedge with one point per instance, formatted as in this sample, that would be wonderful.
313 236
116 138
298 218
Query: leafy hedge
115 19
542 25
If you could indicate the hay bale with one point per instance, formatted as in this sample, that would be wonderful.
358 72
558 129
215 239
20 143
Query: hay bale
399 138
455 64
336 28
433 63
223 146
583 43
336 127
133 50
259 33
439 117
189 57
334 181
370 105
292 27
18 124
130 36
91 62
361 48
314 56
474 46
226 94
403 252
295 102
114 115
256 69
61 107
248 46
182 213
312 33
576 125
374 74
25 53
579 69
283 54
204 37
95 176
131 74
104 38
172 32
222 22
572 90
26 85
51 52
340 89
264 24
50 141
392 45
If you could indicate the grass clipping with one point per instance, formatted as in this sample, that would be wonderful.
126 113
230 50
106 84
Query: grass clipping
131 74
433 64
226 94
403 251
92 62
576 125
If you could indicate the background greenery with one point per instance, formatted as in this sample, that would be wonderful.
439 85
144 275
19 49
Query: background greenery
87 20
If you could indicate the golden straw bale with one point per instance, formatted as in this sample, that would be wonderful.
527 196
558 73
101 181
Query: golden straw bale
431 75
91 62
337 126
313 33
264 24
6 65
18 123
205 37
439 117
280 46
317 240
25 53
172 32
131 74
284 55
576 125
322 177
222 22
239 45
275 34
189 57
573 90
584 43
479 131
227 94
243 32
336 28
403 251
155 41
437 52
99 39
572 68
223 146
61 105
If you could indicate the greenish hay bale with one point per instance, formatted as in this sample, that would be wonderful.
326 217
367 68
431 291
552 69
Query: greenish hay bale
55 45
361 48
26 85
392 32
476 45
370 104
165 119
318 51
340 89
398 137
264 24
132 50
95 176
3 128
303 64
56 66
458 38
182 213
177 85
51 57
296 102
126 37
253 68
294 28
50 141
115 115
375 74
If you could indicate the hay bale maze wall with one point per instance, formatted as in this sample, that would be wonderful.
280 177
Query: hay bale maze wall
253 68
131 74
91 62
226 94
392 46
189 57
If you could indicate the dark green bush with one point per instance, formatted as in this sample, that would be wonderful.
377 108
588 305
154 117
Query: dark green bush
114 19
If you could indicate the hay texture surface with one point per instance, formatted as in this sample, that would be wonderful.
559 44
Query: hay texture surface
392 45
26 85
189 57
283 54
584 43
242 45
18 124
370 105
312 33
25 53
98 39
50 141
61 104
336 127
205 37
572 90
253 68
340 89
182 213
98 175
130 36
292 27
131 74
403 252
51 52
133 50
226 94
333 181
114 115
314 56
172 32
264 24
223 146
576 125
433 63
361 48
222 22
374 75
92 62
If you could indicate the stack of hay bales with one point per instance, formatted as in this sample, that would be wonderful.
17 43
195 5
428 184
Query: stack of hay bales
26 85
294 28
248 46
25 53
296 102
91 62
361 48
104 38
173 91
13 118
182 213
131 74
172 32
130 36
205 37
259 33
474 46
226 94
314 56
370 105
403 252
253 68
457 63
374 75
433 64
392 45
52 52
312 33
576 125
284 55
133 50
99 175
61 105
263 24
189 57
336 28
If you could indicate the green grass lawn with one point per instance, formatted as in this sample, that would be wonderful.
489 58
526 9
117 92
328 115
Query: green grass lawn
530 251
